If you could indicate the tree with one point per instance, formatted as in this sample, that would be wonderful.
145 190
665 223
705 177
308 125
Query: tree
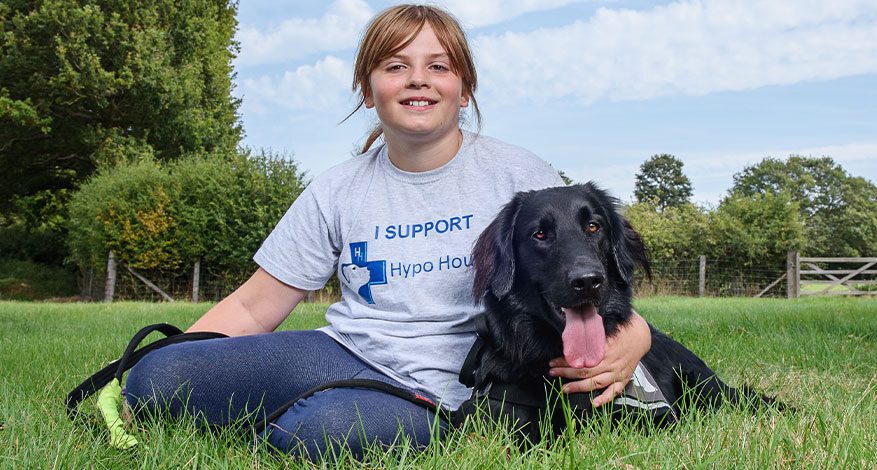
662 183
91 83
839 211
756 230
566 179
677 233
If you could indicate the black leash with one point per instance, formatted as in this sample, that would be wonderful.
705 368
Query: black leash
132 355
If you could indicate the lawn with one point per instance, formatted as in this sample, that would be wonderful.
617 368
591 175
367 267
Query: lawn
817 354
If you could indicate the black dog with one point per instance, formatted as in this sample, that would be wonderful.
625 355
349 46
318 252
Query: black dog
554 270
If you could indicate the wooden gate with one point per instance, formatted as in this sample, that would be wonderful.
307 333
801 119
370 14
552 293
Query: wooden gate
809 276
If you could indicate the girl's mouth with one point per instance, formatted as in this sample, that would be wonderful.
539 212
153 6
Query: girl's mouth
418 103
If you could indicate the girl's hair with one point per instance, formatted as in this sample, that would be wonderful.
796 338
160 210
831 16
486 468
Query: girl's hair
396 27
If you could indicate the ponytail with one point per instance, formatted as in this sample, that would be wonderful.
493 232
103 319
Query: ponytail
372 137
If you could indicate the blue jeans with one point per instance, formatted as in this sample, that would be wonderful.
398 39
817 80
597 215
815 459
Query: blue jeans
221 380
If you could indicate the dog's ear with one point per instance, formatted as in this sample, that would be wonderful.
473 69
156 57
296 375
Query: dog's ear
494 254
629 250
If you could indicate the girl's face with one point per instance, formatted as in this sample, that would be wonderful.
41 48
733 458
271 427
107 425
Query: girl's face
415 92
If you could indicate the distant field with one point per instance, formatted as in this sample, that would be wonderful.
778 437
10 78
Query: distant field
817 354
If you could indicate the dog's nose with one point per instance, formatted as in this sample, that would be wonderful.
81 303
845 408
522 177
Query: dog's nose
586 283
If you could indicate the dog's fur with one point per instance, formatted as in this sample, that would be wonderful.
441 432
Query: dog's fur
530 263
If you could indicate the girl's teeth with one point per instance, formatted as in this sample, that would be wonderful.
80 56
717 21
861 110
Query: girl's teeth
418 103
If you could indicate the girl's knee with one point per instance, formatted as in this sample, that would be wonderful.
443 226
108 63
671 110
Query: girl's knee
160 380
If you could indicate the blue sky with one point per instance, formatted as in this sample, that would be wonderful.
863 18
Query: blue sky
594 87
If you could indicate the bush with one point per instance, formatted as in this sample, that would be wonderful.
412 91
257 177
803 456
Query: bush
756 230
165 217
677 232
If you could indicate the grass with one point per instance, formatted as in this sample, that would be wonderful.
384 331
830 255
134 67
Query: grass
26 280
816 354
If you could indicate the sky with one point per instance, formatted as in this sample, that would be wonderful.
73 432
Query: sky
595 88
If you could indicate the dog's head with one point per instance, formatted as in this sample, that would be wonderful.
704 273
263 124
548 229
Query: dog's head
568 255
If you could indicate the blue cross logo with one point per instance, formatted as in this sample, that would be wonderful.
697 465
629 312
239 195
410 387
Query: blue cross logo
352 272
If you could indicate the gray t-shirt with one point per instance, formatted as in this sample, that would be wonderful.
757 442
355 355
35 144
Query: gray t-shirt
400 243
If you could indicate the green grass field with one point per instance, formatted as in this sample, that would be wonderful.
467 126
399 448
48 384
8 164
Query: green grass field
816 354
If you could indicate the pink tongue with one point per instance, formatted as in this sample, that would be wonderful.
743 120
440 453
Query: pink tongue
584 339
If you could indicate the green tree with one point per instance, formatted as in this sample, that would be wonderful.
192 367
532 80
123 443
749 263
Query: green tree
838 210
662 183
755 230
90 83
676 233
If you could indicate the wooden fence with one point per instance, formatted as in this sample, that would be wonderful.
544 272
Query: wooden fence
689 277
830 276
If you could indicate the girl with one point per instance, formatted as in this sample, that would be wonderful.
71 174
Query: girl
396 224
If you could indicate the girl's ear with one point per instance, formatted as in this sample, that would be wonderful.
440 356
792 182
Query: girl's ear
368 101
464 100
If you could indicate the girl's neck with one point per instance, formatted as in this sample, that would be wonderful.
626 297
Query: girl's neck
418 156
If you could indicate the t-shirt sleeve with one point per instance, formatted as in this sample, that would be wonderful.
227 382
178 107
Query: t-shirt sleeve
302 250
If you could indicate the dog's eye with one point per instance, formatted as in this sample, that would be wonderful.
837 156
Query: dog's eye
539 235
593 227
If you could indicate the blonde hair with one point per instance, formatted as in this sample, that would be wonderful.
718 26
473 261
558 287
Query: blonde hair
396 27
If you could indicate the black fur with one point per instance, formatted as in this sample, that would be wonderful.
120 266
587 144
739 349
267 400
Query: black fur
524 278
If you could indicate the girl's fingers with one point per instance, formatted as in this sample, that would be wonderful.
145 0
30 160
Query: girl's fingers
609 394
590 384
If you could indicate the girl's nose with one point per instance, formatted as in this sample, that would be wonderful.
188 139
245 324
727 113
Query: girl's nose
418 78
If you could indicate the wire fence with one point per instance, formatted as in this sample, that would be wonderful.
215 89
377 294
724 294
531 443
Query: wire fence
720 279
677 277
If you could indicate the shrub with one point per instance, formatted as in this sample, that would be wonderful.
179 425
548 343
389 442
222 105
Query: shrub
165 217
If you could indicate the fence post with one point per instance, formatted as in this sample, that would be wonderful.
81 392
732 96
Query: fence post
793 275
701 285
110 286
196 280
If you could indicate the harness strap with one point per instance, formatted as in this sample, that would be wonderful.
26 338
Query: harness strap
473 359
405 394
130 357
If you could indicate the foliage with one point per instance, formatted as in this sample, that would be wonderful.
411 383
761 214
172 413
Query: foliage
839 210
25 280
756 230
162 217
566 179
662 183
677 232
96 82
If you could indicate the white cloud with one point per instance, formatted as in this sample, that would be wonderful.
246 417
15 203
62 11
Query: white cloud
686 48
320 86
473 14
295 38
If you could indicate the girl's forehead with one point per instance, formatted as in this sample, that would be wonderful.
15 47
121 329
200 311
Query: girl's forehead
425 40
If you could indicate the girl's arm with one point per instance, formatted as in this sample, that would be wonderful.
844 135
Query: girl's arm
623 352
258 306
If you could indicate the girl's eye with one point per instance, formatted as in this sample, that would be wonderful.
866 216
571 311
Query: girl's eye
593 227
394 67
439 67
539 235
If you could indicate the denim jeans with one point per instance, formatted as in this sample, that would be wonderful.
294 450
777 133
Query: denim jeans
222 380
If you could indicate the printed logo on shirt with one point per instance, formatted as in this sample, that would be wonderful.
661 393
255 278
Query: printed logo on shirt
361 274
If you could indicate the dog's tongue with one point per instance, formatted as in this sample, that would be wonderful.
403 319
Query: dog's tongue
584 339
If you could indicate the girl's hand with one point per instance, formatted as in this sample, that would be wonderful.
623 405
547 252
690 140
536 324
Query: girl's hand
623 352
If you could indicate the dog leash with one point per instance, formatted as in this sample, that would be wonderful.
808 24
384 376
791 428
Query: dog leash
107 384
